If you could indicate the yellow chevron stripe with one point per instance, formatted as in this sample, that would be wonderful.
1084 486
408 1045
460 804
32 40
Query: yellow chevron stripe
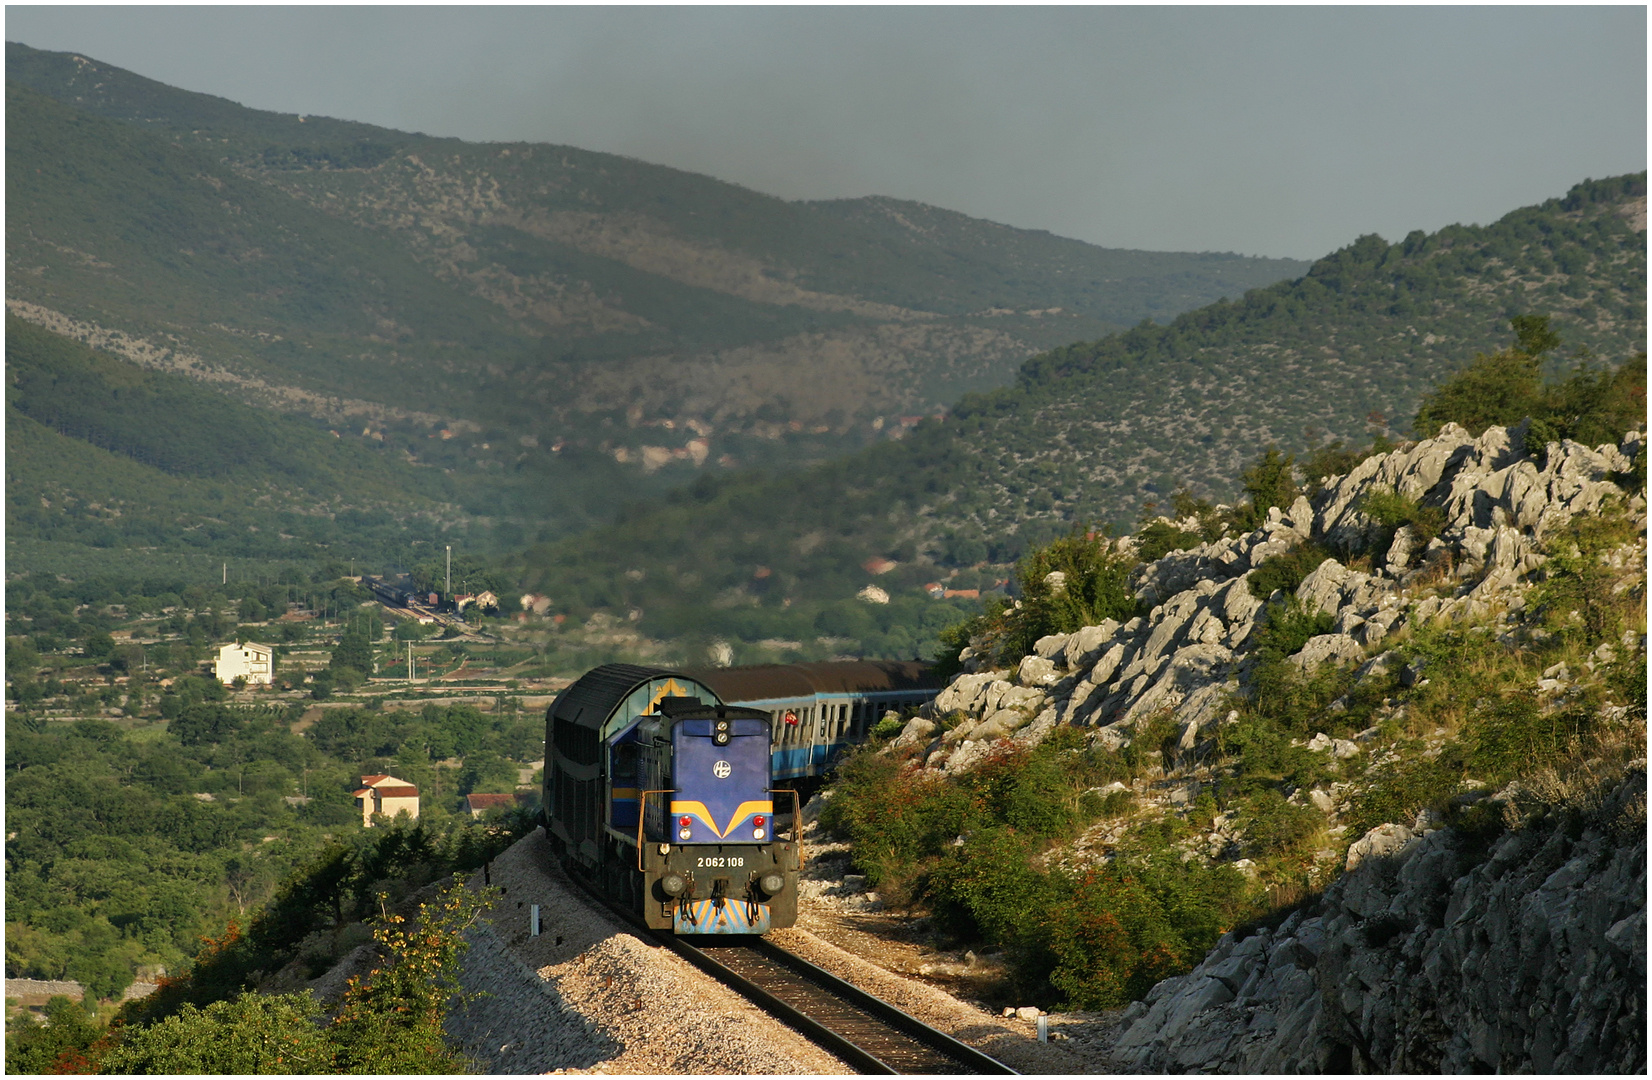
698 809
670 689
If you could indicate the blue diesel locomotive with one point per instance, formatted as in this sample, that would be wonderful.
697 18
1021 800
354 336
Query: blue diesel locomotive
662 786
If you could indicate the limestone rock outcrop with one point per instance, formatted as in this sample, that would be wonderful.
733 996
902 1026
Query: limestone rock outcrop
1499 500
1431 950
1432 954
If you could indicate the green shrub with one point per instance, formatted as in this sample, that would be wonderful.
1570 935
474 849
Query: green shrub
1272 825
1259 751
1032 791
1148 747
1393 510
1577 598
1286 627
1516 734
1096 587
1211 524
1591 406
888 727
1270 482
251 1035
1159 538
1113 932
61 1045
1396 791
1114 804
1286 570
894 815
1502 388
986 888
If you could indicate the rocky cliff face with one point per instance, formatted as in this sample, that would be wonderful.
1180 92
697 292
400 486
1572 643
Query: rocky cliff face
1434 954
1516 948
1190 653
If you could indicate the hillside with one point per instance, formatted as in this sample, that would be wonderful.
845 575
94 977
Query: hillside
1395 774
102 454
1097 432
587 328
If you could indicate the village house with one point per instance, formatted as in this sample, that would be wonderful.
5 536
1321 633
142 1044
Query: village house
387 795
248 659
481 804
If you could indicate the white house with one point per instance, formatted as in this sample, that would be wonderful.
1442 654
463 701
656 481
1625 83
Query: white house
254 661
386 795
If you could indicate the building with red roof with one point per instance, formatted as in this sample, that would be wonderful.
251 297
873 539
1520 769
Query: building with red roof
386 795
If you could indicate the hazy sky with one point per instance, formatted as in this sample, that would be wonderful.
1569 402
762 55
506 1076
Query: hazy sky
1274 131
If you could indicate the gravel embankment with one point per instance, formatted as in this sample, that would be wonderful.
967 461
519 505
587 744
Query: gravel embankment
587 995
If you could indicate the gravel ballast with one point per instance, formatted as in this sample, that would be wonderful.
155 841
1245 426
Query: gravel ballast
587 995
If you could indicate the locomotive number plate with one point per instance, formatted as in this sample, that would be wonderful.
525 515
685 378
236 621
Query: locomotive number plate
719 860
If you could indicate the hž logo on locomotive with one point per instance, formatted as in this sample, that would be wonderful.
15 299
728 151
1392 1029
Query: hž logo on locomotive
721 770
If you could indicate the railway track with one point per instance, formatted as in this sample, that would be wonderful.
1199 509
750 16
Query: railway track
869 1034
866 1032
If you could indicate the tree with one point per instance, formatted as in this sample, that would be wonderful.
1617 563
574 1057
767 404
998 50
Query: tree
355 650
487 771
411 630
253 1034
391 1022
22 658
61 1044
1533 336
1269 482
1503 388
99 645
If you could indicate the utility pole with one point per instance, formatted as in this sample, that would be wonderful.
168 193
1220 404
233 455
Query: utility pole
226 574
450 570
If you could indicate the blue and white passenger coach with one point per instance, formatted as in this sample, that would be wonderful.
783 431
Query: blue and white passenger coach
820 710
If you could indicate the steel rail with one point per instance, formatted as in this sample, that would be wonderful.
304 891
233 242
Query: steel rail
962 1053
880 1038
908 1045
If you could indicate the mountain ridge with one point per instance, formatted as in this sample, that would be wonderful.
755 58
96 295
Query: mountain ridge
1097 432
614 326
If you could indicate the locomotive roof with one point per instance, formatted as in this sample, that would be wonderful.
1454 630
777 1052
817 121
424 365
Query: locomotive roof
595 694
764 681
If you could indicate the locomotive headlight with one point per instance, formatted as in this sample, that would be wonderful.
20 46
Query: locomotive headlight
757 830
720 739
772 882
673 885
683 834
758 834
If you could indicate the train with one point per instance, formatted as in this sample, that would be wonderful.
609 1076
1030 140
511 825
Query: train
675 793
394 595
